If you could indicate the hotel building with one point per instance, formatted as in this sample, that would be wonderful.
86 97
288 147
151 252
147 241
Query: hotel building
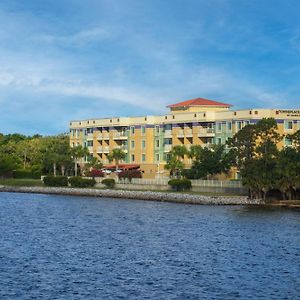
148 140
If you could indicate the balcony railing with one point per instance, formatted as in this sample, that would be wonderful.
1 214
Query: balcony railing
206 132
120 135
103 149
103 136
180 133
168 133
167 147
188 133
90 137
90 148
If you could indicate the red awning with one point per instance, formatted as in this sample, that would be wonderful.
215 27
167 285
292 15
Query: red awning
123 166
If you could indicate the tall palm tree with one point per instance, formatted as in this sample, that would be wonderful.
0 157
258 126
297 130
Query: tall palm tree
77 153
117 155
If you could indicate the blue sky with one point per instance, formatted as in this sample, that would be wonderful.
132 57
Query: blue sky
62 60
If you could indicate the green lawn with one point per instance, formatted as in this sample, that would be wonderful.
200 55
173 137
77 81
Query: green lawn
21 182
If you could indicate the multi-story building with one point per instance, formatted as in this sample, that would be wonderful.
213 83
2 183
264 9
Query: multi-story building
147 140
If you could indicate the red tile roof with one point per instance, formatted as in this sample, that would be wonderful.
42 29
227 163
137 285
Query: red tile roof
199 102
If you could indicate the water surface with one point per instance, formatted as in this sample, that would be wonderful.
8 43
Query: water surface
63 247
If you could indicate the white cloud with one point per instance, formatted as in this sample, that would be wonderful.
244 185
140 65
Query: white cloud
81 37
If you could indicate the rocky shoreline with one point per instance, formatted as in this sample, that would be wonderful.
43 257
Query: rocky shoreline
137 195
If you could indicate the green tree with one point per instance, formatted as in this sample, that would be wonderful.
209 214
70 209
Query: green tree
7 164
287 171
209 161
255 148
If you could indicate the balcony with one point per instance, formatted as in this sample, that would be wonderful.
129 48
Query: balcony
90 149
103 136
89 137
188 133
103 149
180 133
120 136
168 134
167 147
206 132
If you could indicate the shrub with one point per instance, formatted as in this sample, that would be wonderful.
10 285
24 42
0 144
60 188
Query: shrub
96 173
129 174
26 174
81 182
180 184
109 182
56 180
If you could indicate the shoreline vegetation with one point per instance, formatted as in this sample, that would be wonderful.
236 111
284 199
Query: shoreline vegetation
159 196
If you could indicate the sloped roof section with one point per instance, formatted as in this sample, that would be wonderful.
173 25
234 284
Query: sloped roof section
199 102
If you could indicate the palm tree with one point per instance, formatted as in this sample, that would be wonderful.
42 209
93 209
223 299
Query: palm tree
77 153
117 155
175 162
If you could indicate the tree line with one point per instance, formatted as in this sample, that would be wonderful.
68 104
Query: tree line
33 156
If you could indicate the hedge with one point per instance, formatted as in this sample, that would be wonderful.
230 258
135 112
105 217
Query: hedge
81 182
108 182
180 184
26 174
56 180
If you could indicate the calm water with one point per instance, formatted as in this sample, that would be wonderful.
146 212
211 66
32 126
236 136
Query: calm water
58 247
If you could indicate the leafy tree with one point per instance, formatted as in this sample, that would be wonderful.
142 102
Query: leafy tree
287 171
209 161
255 148
7 164
243 145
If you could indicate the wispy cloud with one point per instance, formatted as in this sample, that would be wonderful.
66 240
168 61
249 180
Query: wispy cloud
78 38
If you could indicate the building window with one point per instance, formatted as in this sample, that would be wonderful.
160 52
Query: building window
168 141
229 126
167 156
157 129
132 144
143 157
132 129
288 141
219 141
288 125
219 127
143 144
157 143
132 158
90 143
143 130
157 157
239 125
